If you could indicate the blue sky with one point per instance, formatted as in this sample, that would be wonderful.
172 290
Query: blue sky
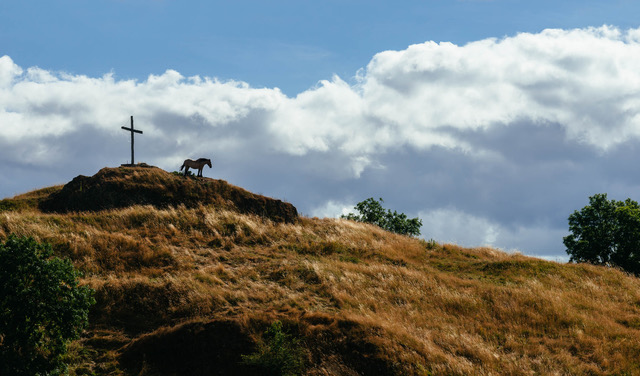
491 120
287 44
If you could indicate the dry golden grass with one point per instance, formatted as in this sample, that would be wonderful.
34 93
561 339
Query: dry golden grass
419 308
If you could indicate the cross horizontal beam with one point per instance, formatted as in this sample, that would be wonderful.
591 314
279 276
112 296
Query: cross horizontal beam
132 130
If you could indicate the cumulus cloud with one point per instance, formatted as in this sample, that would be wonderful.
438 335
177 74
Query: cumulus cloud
332 209
587 80
8 71
504 136
451 225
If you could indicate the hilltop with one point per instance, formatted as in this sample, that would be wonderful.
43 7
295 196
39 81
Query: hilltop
185 285
147 185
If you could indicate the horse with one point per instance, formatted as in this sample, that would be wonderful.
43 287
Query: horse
199 164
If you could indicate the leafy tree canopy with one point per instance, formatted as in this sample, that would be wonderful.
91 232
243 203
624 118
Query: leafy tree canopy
606 232
371 211
42 308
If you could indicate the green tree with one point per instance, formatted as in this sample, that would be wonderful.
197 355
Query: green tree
42 308
606 232
371 211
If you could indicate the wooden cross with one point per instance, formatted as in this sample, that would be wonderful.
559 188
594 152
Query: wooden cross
132 132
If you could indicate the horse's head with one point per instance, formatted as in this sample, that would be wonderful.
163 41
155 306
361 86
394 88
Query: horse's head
209 163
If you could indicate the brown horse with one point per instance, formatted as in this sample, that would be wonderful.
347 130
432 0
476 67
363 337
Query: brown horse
199 164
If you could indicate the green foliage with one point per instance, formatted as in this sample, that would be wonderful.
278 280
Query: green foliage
8 205
278 353
27 200
430 244
42 308
371 211
606 232
180 173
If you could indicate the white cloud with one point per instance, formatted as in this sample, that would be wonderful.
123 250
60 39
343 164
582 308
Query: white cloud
588 80
8 71
332 209
454 226
451 225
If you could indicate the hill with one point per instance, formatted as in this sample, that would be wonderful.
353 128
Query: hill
187 287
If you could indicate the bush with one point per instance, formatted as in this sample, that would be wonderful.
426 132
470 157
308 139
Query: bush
606 232
182 174
278 353
371 211
42 308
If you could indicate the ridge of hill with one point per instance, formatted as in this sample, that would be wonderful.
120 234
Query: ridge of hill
187 290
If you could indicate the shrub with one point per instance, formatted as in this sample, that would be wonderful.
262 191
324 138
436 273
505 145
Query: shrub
180 173
371 211
278 353
42 308
430 244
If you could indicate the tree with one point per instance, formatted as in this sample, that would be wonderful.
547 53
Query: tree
42 308
606 232
371 211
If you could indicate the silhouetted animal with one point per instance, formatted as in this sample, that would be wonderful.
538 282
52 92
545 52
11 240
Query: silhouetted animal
199 164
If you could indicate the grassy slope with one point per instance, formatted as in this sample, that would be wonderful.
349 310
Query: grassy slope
181 289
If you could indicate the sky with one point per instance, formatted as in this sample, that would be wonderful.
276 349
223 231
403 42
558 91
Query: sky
491 120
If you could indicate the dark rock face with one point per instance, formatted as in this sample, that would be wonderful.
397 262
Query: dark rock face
146 185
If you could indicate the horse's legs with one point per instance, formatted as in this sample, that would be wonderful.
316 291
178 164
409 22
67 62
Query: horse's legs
200 172
186 170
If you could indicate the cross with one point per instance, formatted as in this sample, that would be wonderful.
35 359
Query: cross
132 131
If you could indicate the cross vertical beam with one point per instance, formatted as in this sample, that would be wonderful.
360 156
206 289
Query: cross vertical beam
132 130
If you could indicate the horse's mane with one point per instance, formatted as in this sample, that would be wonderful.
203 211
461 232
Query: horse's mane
202 159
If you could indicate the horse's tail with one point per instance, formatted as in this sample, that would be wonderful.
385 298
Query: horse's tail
181 167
